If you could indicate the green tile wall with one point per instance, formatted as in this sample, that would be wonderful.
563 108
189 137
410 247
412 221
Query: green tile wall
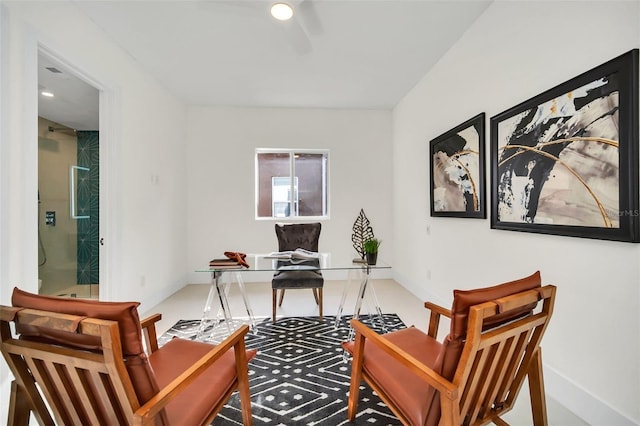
88 203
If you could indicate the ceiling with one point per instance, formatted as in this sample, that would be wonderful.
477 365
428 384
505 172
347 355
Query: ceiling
75 103
364 54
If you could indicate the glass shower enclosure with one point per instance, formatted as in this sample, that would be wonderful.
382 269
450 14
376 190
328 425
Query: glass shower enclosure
68 211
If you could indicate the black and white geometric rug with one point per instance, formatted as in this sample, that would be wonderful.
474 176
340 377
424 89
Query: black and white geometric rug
300 375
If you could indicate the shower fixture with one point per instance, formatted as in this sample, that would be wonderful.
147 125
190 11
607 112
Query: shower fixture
61 129
40 245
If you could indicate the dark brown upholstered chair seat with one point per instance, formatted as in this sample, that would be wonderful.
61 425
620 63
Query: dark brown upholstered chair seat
297 279
96 349
427 383
296 276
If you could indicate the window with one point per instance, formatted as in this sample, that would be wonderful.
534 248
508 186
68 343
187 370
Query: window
281 196
291 183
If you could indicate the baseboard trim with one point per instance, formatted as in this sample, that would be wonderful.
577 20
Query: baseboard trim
580 402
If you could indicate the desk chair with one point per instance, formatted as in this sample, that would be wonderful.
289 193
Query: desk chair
474 376
291 237
87 360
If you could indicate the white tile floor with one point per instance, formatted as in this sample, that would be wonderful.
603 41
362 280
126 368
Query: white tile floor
188 303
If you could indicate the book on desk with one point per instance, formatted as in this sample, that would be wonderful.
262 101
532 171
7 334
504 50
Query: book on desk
297 254
224 263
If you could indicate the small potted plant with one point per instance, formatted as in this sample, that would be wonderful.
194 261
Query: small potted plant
371 250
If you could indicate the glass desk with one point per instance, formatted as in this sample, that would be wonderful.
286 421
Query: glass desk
219 290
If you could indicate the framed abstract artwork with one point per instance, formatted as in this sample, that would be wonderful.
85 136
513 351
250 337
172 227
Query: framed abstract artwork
457 171
566 161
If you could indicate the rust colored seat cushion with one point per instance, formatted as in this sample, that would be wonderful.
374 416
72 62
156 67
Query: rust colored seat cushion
411 395
196 401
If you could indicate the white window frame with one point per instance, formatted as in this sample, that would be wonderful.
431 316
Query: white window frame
292 152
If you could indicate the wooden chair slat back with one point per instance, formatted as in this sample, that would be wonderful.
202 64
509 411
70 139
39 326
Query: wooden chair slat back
494 363
82 387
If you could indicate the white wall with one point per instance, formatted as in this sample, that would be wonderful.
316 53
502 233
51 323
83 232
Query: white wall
221 179
4 178
514 51
142 151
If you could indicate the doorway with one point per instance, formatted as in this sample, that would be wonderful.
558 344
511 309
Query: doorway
68 182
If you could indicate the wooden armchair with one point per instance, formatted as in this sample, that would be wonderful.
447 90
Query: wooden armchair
86 359
472 377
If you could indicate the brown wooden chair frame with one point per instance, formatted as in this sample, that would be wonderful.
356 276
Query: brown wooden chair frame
491 369
69 378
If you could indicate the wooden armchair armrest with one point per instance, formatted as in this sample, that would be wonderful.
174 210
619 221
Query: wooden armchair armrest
434 319
149 332
449 396
145 415
427 374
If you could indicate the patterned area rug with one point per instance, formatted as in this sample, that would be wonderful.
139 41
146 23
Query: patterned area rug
300 375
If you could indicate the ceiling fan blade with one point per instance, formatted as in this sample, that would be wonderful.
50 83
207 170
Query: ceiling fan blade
310 17
293 29
296 36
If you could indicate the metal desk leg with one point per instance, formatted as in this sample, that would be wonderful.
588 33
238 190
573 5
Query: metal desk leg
225 286
364 283
345 290
252 320
208 321
224 302
376 307
217 290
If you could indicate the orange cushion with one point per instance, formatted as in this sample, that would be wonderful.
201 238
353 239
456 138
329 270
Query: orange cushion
125 313
194 403
411 395
464 299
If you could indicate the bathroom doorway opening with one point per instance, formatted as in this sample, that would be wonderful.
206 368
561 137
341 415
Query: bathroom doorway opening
68 182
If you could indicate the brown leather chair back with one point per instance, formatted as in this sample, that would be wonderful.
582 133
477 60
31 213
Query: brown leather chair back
464 299
125 313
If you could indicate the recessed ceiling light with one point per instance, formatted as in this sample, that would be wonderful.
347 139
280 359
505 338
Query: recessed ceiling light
281 11
47 94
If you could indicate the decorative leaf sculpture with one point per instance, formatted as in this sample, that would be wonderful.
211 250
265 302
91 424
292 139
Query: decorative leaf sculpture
362 231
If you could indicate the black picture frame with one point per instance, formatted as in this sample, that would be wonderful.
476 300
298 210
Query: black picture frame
565 162
457 177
